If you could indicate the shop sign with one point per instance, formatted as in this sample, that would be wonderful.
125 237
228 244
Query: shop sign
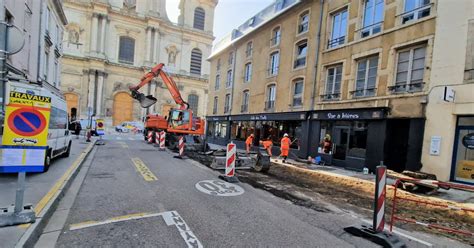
217 118
348 115
468 141
258 117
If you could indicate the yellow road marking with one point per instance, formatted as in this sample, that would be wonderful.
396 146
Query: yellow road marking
58 185
113 220
143 169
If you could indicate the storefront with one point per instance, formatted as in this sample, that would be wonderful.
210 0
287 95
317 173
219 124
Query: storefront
463 153
263 126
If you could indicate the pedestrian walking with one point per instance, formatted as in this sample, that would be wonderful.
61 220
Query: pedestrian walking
267 145
285 147
249 143
78 129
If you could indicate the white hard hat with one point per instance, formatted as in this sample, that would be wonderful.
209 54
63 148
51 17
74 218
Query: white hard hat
285 135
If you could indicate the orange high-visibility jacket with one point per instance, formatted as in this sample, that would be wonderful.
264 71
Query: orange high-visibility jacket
249 140
267 144
285 143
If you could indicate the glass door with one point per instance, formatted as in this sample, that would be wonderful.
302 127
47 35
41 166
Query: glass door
341 142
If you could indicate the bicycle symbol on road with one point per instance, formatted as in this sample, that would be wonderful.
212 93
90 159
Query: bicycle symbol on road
219 188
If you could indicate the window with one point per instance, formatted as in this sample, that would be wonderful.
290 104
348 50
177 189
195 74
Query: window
416 9
46 64
304 22
373 17
228 82
274 63
231 58
196 59
46 21
271 96
297 92
301 51
227 103
276 36
333 82
214 108
249 50
199 17
126 50
55 73
193 101
339 24
366 77
248 72
217 84
218 65
245 101
57 119
410 70
130 3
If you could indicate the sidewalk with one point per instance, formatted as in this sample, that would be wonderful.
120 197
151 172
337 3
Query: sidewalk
459 196
40 189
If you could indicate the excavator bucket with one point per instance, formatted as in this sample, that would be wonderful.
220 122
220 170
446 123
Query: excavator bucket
145 101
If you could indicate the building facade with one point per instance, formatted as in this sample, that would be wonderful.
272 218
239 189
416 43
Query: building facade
359 73
42 24
111 44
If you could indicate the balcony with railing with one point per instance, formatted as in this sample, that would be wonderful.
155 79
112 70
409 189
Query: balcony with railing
274 41
299 62
303 27
270 105
417 13
336 42
403 88
273 71
371 29
364 92
244 108
331 96
297 101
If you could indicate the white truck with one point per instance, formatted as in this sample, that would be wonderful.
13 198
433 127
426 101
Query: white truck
59 136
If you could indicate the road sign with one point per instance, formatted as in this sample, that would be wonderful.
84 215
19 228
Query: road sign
15 39
100 127
25 133
219 188
449 94
27 122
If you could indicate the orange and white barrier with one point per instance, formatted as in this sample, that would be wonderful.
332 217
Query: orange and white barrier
181 146
157 138
162 140
149 137
231 157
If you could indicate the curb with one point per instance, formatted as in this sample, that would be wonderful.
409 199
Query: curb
32 234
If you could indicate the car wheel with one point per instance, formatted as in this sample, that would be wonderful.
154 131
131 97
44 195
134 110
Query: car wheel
47 161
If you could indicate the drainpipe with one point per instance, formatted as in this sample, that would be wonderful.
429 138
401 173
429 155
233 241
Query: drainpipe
229 129
40 35
3 55
315 77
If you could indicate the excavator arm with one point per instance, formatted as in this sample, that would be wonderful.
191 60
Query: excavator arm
147 101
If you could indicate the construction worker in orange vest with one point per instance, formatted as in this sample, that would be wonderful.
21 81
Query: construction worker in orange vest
249 143
285 147
267 145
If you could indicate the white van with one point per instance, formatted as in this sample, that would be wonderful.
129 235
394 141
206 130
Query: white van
59 136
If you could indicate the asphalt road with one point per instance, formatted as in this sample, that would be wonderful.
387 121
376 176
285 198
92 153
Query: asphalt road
133 195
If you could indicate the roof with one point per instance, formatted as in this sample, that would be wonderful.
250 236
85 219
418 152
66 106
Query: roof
254 23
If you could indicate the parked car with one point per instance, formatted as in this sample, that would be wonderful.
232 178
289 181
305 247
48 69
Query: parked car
129 126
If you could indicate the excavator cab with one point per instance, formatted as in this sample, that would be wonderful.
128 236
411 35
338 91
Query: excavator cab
145 101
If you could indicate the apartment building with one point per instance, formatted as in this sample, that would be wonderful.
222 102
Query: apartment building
111 44
359 73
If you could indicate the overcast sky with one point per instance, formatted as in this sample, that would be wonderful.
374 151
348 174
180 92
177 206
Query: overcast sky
229 13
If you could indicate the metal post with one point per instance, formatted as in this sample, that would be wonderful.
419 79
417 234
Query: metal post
3 54
20 192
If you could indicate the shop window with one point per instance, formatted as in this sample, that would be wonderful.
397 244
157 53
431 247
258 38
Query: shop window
464 150
304 22
298 85
210 129
339 26
416 9
301 51
358 140
276 36
220 129
373 17
333 83
276 129
366 77
271 96
410 70
240 130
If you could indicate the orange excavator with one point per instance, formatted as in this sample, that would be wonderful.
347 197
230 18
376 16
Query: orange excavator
180 121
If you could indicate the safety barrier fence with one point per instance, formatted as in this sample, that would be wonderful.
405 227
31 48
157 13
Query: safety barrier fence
397 199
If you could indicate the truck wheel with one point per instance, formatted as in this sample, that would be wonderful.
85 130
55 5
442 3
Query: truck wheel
47 161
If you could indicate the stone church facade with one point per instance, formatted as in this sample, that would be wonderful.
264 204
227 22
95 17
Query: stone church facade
110 45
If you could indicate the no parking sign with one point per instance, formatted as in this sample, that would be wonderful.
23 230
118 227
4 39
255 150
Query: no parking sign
25 133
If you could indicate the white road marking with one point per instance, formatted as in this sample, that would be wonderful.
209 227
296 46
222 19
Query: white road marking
171 218
219 188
